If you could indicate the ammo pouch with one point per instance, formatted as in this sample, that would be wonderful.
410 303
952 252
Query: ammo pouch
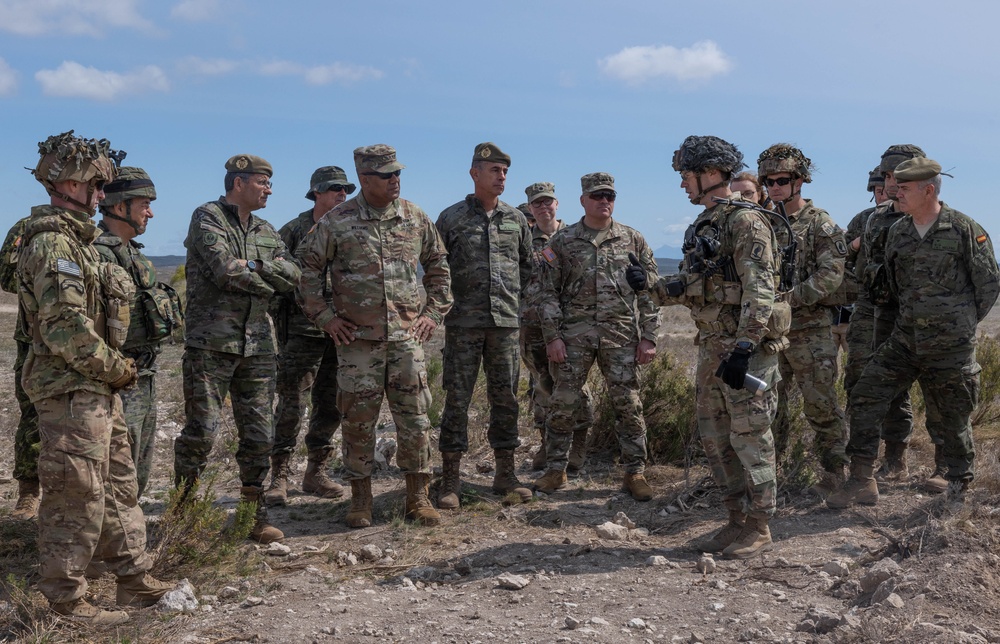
846 293
160 307
876 280
117 291
780 321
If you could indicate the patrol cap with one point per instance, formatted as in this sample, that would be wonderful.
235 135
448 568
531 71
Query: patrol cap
875 178
597 181
918 169
490 152
540 190
248 164
325 178
376 158
896 154
131 183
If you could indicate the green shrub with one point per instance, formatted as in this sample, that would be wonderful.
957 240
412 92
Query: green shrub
988 356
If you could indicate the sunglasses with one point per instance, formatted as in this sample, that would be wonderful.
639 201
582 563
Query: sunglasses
603 194
384 175
336 189
783 181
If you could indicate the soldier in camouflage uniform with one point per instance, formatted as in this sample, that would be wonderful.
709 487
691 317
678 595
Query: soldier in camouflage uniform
307 361
76 313
371 247
590 314
126 210
943 273
543 203
236 262
489 250
870 270
729 279
26 439
811 357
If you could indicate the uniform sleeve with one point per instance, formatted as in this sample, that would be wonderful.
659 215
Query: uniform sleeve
754 260
828 273
550 281
280 272
8 257
648 311
437 274
983 268
208 238
854 230
526 259
315 252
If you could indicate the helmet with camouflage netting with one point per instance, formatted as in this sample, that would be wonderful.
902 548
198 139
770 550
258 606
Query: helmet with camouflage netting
131 183
782 157
65 157
875 179
701 153
896 154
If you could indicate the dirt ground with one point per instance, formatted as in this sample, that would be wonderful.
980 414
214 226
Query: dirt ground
914 568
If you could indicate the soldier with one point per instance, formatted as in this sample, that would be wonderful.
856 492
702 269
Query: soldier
307 361
543 204
371 247
941 269
489 250
589 314
811 357
126 210
748 185
875 294
26 439
76 312
728 279
235 262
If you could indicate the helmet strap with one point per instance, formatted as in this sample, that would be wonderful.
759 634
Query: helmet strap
127 218
84 207
702 191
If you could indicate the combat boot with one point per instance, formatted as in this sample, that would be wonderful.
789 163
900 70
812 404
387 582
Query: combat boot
894 466
551 481
636 485
263 531
418 505
725 536
451 481
505 480
829 482
141 590
538 461
755 539
859 488
937 483
281 468
81 611
577 451
27 500
316 481
360 513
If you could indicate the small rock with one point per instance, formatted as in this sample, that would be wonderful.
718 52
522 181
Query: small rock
636 624
836 569
696 639
657 560
894 600
886 588
179 600
806 626
706 565
228 592
572 623
715 607
718 584
849 621
252 601
370 552
598 621
508 581
823 620
423 573
612 532
622 519
879 572
277 549
385 449
347 559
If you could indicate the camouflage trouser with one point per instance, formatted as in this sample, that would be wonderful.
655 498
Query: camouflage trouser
839 332
209 376
950 383
496 349
89 507
368 371
735 429
864 335
621 373
140 416
811 361
307 368
537 361
26 441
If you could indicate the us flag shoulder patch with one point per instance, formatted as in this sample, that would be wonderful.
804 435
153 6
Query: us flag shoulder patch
549 255
67 267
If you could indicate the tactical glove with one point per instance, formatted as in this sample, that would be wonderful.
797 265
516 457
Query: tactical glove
733 369
635 274
128 379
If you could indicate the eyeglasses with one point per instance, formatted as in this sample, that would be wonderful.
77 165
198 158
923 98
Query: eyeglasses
385 176
603 194
336 189
543 201
783 181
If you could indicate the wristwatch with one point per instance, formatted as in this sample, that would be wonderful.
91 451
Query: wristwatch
745 346
252 265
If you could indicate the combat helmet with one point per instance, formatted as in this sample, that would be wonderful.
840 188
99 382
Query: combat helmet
700 153
131 183
782 157
875 179
896 154
65 157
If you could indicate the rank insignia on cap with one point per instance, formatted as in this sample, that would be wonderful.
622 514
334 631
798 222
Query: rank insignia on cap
485 153
67 267
549 255
242 163
981 239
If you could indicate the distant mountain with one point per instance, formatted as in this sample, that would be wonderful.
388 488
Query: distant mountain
166 261
668 252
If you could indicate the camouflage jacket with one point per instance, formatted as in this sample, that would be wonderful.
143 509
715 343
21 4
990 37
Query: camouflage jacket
288 317
372 258
819 264
735 300
227 304
8 273
863 305
585 299
871 259
945 283
491 262
61 290
530 315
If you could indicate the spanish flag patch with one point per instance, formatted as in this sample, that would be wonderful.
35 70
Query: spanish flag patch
981 239
548 255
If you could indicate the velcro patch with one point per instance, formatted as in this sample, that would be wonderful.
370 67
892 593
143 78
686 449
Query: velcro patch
945 244
757 251
510 226
982 239
841 247
827 229
211 239
549 255
66 267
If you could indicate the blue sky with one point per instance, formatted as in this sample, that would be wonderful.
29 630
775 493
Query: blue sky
564 87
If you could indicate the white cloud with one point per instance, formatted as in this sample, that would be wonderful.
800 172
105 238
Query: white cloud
637 65
281 68
76 17
196 10
73 80
8 79
206 66
321 74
